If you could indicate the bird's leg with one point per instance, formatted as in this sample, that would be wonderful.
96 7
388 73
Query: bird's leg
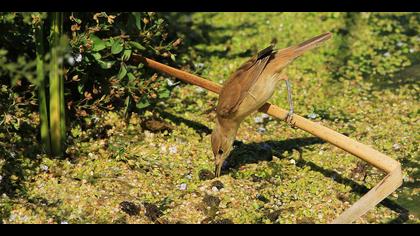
289 116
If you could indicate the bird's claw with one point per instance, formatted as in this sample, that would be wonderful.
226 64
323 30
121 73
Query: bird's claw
289 118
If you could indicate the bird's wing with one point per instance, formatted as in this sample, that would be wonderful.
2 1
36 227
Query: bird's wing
236 87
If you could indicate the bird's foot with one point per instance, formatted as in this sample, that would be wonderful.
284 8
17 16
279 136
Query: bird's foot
289 118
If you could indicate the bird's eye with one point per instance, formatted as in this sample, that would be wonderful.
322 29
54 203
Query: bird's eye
220 151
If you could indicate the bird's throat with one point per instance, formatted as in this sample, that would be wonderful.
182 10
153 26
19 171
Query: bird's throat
228 126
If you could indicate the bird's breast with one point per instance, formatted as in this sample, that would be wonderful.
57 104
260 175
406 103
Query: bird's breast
257 95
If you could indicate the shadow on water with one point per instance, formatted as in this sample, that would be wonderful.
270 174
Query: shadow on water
407 76
14 171
356 188
255 152
351 20
405 198
244 154
19 144
198 127
350 31
194 33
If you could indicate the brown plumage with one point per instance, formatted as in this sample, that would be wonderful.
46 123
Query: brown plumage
248 88
236 87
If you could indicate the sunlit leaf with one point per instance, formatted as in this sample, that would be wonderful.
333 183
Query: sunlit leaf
117 47
126 55
122 72
105 64
97 56
131 77
164 93
137 45
144 102
97 43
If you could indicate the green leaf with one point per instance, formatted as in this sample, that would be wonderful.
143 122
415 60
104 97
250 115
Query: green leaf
137 19
80 87
105 64
110 42
164 93
126 55
3 52
144 102
117 47
98 44
97 56
137 45
16 125
123 71
131 77
159 21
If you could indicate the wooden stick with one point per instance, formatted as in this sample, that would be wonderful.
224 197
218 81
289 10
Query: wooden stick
360 150
388 185
182 75
378 193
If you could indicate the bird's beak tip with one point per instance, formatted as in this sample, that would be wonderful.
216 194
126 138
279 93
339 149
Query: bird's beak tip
217 170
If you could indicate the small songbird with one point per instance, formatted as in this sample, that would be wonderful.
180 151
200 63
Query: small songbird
248 88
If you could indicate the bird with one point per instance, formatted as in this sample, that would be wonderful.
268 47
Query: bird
248 88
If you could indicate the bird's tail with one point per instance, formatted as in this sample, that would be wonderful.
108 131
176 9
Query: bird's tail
310 44
285 56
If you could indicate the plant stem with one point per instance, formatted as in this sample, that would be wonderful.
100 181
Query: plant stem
56 86
62 103
39 41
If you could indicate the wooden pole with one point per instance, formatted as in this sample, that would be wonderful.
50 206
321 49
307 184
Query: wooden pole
388 185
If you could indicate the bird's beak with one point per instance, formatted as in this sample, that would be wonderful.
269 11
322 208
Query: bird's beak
220 159
218 169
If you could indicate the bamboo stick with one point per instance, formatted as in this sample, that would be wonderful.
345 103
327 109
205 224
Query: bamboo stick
360 150
388 185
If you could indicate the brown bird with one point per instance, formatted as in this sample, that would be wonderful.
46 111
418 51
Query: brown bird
248 88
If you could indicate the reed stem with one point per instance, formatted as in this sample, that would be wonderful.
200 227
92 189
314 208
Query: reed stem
39 41
57 131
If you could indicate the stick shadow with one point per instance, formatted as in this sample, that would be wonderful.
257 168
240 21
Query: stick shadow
198 127
264 151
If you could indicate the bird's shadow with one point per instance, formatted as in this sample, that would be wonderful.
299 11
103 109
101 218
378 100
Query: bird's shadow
243 154
264 151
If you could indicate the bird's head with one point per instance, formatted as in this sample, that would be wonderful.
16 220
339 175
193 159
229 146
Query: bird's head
221 141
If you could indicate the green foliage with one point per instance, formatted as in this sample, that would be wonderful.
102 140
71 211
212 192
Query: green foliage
97 69
98 73
17 47
102 45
